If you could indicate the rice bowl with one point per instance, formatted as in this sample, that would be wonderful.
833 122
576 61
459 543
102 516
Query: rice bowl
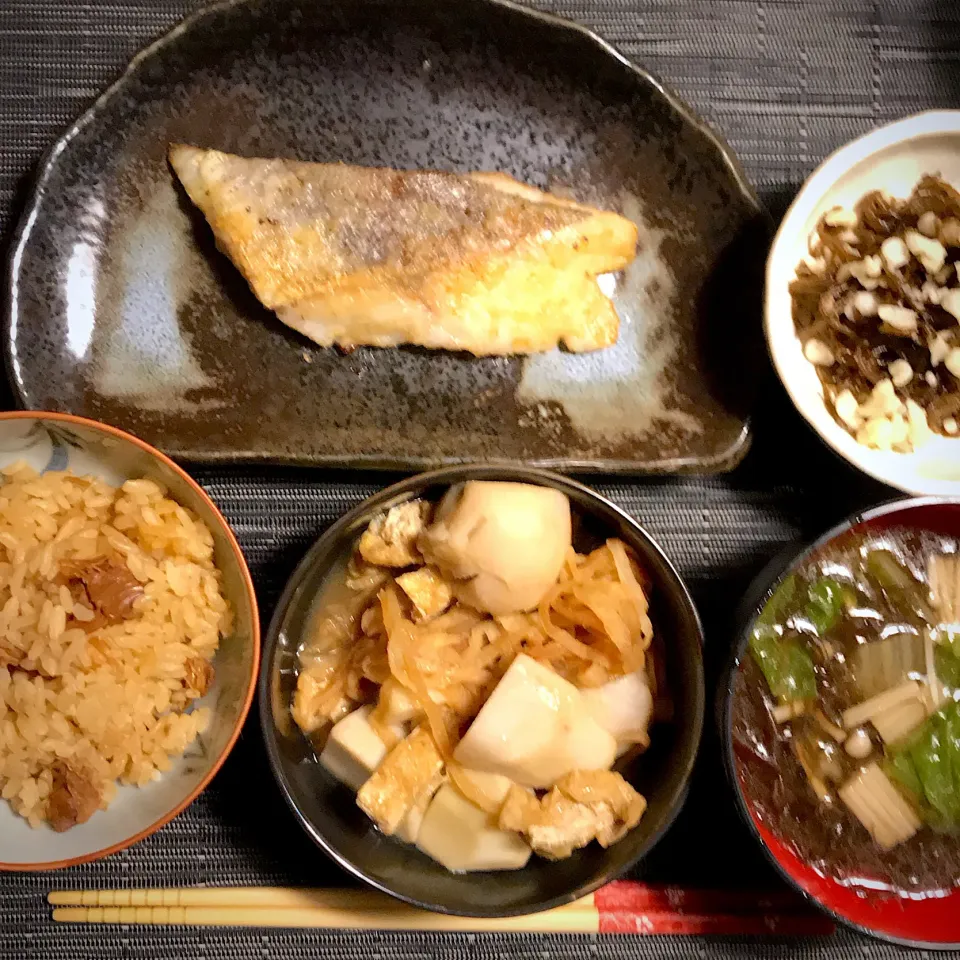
129 640
148 667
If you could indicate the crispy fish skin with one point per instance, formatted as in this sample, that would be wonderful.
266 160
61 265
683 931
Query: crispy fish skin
365 256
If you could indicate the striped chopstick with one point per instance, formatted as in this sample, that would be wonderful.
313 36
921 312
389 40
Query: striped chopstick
621 907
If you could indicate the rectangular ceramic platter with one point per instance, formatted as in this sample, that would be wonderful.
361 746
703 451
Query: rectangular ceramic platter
123 309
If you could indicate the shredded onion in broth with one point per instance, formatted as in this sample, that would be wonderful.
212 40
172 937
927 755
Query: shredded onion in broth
591 627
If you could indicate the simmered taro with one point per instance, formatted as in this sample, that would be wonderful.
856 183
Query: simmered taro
473 678
846 711
877 308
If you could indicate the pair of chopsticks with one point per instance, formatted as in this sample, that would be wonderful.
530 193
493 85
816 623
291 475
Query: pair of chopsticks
621 907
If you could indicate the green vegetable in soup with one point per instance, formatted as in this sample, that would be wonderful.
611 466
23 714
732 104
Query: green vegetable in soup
947 664
931 760
887 571
775 609
929 767
786 665
826 599
898 583
900 767
949 639
821 603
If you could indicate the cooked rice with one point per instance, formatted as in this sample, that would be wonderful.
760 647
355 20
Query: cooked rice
112 701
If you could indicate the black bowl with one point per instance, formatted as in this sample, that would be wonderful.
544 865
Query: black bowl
328 811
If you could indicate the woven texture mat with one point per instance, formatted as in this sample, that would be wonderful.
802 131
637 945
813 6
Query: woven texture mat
786 81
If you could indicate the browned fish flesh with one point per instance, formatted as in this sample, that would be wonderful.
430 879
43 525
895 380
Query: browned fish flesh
366 256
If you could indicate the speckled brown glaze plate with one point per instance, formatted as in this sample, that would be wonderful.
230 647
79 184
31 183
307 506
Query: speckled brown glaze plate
121 308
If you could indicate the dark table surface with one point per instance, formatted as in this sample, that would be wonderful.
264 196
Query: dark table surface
786 82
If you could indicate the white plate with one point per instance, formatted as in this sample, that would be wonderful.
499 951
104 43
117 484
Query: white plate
892 158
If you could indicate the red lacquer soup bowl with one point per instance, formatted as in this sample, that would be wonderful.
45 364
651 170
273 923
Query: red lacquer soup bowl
931 921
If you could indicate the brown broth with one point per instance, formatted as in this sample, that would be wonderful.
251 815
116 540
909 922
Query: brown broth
825 834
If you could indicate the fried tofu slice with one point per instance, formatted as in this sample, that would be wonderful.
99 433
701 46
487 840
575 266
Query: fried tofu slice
409 828
391 539
555 825
411 769
317 701
396 705
428 591
605 789
585 805
566 825
520 810
369 256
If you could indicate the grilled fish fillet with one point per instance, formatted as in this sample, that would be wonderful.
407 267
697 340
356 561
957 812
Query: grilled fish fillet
363 256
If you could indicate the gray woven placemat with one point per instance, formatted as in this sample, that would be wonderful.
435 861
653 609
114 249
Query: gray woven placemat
785 81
